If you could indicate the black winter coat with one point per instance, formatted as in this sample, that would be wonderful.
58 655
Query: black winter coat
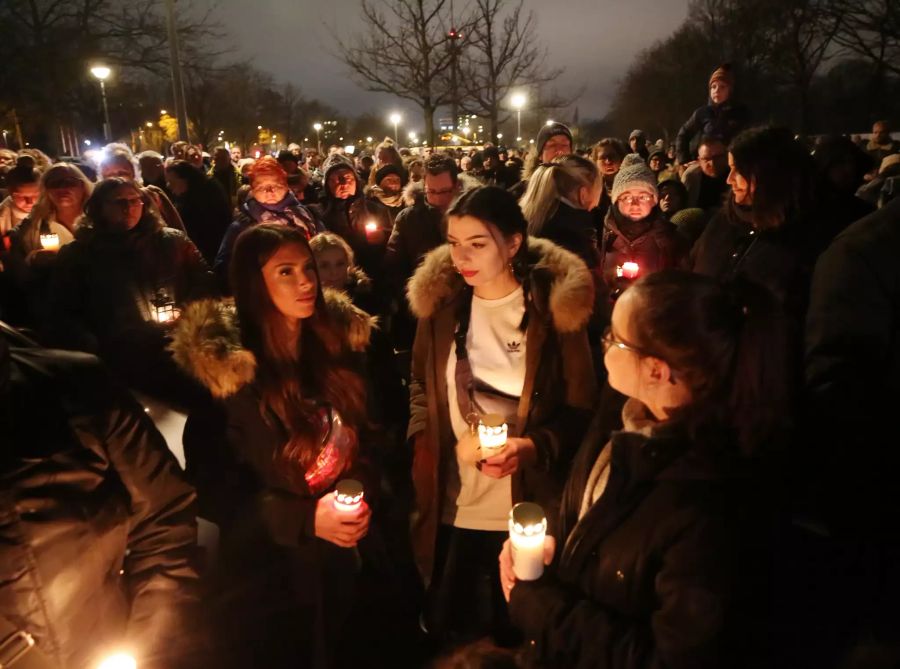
574 230
649 577
97 528
723 121
206 213
102 301
282 594
349 219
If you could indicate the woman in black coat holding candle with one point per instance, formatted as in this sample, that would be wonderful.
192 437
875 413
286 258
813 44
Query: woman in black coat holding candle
289 423
664 524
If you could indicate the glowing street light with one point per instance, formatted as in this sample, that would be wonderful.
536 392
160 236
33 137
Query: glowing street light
550 121
101 73
518 101
395 119
368 140
318 128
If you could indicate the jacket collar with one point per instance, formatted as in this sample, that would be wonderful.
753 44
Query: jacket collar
554 271
207 341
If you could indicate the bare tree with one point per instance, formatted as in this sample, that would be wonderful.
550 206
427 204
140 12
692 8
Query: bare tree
406 52
501 56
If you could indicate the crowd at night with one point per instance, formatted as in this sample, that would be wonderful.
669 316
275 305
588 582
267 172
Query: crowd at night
464 403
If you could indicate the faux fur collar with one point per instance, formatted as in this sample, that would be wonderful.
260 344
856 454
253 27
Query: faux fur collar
557 272
207 341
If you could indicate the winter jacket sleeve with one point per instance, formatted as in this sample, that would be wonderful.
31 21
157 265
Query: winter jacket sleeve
569 421
397 263
223 257
198 281
418 402
166 209
568 629
159 569
685 134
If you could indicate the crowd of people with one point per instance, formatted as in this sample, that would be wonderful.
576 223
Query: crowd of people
693 349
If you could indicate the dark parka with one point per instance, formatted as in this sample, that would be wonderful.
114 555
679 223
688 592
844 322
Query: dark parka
558 392
647 578
282 593
722 121
102 294
573 229
97 527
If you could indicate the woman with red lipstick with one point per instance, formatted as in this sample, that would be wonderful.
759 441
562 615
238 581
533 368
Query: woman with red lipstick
501 330
265 459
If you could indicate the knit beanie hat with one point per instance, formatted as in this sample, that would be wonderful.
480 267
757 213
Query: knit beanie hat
634 175
335 161
723 73
636 134
552 130
390 168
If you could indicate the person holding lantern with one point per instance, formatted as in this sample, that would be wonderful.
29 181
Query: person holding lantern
119 286
289 423
636 238
664 534
501 331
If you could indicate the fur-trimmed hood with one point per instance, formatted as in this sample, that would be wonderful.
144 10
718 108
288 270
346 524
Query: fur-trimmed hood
207 341
414 192
555 272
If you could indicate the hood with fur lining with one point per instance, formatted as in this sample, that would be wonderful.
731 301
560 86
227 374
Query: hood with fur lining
559 273
207 341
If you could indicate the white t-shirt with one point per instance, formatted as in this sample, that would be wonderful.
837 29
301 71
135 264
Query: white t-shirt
496 350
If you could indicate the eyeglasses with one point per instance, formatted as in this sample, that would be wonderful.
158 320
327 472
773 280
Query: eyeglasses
127 202
609 340
709 159
270 189
643 198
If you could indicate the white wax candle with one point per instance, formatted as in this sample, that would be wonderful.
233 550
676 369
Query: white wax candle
492 432
348 495
527 530
50 242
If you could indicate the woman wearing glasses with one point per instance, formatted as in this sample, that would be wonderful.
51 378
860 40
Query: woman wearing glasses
665 523
636 239
270 201
120 285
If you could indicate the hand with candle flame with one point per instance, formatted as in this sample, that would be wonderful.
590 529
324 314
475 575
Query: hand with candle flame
519 452
507 576
342 528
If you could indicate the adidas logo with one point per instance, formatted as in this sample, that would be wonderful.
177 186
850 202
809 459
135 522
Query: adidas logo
513 346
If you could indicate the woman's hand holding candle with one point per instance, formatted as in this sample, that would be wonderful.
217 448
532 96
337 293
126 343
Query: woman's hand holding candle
519 452
342 528
507 575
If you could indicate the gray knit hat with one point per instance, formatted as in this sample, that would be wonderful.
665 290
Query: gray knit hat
634 174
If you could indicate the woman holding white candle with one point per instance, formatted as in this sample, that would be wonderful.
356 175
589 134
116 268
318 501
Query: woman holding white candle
663 524
288 423
501 331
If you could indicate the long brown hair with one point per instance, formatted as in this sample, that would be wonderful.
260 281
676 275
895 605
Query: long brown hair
294 381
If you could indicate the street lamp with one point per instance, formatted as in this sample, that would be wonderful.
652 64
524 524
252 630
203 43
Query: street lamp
101 73
518 101
395 119
412 137
318 127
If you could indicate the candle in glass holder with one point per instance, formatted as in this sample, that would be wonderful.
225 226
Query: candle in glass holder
348 495
165 313
50 242
527 529
492 431
629 270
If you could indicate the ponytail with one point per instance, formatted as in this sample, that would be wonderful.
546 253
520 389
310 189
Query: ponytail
551 182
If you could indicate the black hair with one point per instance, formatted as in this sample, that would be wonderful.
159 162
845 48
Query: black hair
183 169
441 164
21 175
727 344
781 169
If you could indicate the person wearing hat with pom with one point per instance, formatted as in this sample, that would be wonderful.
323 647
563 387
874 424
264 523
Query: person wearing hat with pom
636 238
721 117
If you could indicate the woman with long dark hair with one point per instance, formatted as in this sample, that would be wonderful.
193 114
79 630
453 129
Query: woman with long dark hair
502 320
665 524
288 425
764 232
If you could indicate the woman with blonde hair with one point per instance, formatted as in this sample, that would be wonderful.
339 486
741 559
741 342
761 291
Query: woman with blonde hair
558 202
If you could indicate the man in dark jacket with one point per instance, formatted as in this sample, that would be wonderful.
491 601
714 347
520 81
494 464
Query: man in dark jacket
496 173
722 117
98 537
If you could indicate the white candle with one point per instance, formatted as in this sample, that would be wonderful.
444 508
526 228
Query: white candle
50 242
492 431
118 661
527 529
348 495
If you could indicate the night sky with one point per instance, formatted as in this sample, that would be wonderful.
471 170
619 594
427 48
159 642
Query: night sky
594 40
